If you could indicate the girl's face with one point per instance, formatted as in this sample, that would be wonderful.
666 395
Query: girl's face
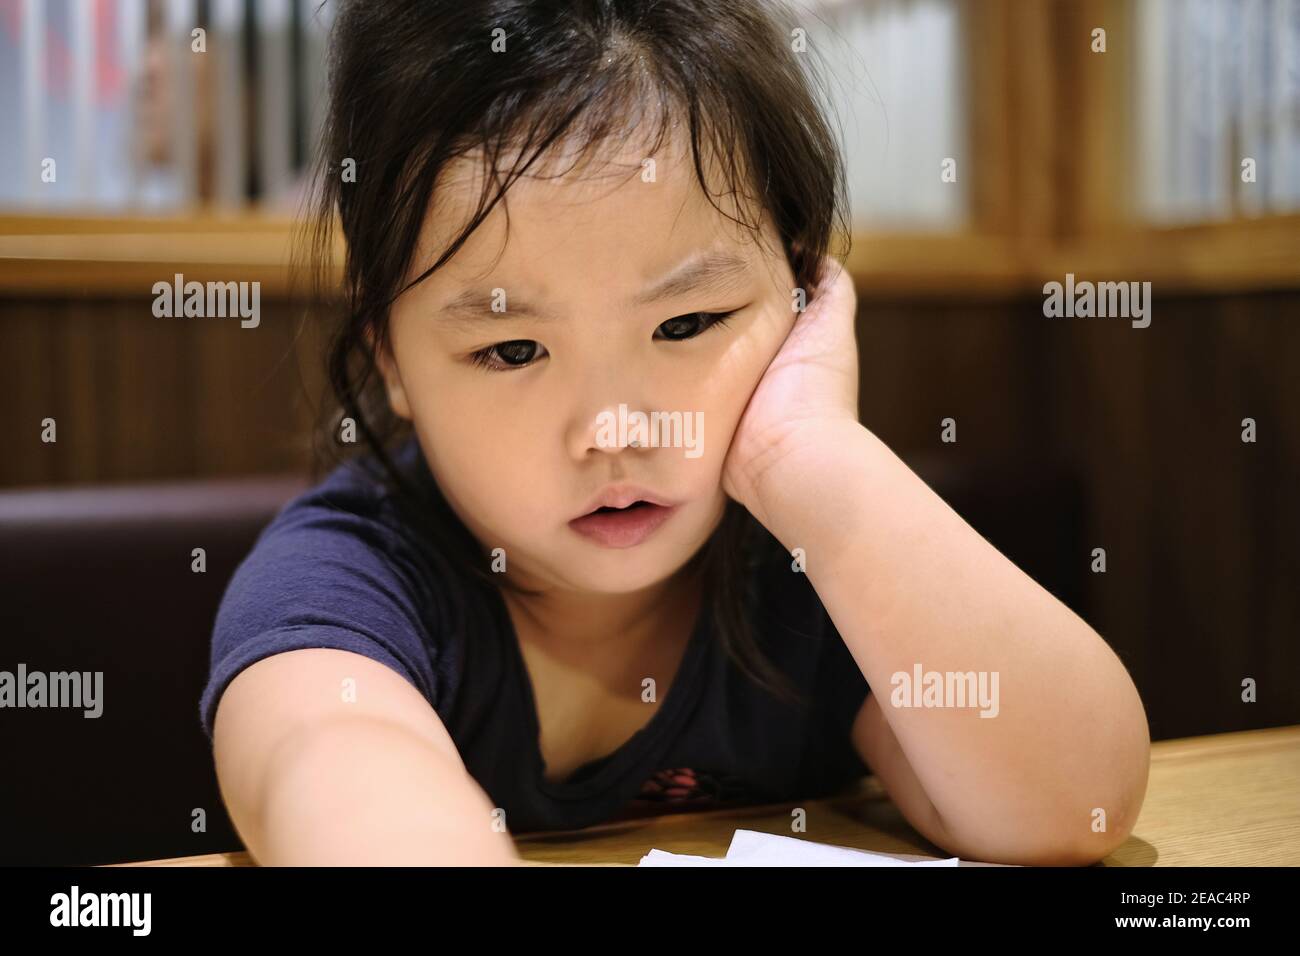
598 290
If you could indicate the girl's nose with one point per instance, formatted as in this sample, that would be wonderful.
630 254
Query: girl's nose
609 429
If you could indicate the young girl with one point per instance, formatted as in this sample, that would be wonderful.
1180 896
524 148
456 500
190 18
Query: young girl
519 609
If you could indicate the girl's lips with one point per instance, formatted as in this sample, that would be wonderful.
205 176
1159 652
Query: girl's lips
622 529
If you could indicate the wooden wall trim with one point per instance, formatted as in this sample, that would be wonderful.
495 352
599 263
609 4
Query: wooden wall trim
123 258
83 256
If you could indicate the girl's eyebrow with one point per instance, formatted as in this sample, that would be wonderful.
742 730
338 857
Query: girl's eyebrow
711 271
474 307
714 271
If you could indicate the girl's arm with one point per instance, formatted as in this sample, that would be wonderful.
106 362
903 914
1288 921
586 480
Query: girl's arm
907 582
909 585
310 780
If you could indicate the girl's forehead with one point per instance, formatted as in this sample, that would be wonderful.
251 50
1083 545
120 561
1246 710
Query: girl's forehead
643 202
576 175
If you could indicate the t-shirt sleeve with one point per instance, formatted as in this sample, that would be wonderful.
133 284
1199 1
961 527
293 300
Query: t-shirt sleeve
324 576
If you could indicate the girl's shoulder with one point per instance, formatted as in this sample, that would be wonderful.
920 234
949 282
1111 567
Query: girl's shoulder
339 567
358 504
359 484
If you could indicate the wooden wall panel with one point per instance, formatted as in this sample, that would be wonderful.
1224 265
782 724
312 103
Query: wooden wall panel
140 398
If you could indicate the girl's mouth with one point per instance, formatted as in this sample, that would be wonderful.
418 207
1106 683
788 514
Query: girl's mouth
622 527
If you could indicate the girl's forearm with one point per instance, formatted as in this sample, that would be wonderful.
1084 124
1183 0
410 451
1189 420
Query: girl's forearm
367 792
912 588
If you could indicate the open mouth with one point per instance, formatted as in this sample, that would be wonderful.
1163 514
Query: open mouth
633 506
622 527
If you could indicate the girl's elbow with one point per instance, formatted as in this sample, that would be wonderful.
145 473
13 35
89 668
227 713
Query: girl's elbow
1110 825
1082 834
1068 844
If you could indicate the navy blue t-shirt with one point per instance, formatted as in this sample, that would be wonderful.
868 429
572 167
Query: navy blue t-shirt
339 567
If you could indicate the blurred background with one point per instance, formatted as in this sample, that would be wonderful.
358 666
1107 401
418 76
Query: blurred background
1165 148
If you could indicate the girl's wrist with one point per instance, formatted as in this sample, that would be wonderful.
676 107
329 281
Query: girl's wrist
807 482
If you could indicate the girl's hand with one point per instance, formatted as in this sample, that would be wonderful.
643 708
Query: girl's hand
808 392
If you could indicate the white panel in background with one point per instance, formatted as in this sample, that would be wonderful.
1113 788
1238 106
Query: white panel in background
1177 166
1252 103
229 146
1213 198
857 105
931 79
132 27
13 159
111 135
1186 156
34 96
274 99
895 201
316 17
1153 133
894 67
1272 176
84 155
1217 81
181 21
1284 191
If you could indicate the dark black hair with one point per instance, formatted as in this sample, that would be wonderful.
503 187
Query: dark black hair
415 84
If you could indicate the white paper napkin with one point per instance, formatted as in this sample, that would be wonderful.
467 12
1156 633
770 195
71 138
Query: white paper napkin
751 848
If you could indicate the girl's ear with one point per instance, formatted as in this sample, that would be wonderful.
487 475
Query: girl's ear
387 367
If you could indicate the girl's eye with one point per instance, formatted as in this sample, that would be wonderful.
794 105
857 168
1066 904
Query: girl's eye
690 325
519 353
507 355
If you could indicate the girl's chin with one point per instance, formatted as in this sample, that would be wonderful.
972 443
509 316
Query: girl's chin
626 580
598 572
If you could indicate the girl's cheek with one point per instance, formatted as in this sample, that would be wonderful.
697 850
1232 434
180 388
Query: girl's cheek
762 341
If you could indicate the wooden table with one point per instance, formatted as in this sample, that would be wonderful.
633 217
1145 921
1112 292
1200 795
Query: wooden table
1223 800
